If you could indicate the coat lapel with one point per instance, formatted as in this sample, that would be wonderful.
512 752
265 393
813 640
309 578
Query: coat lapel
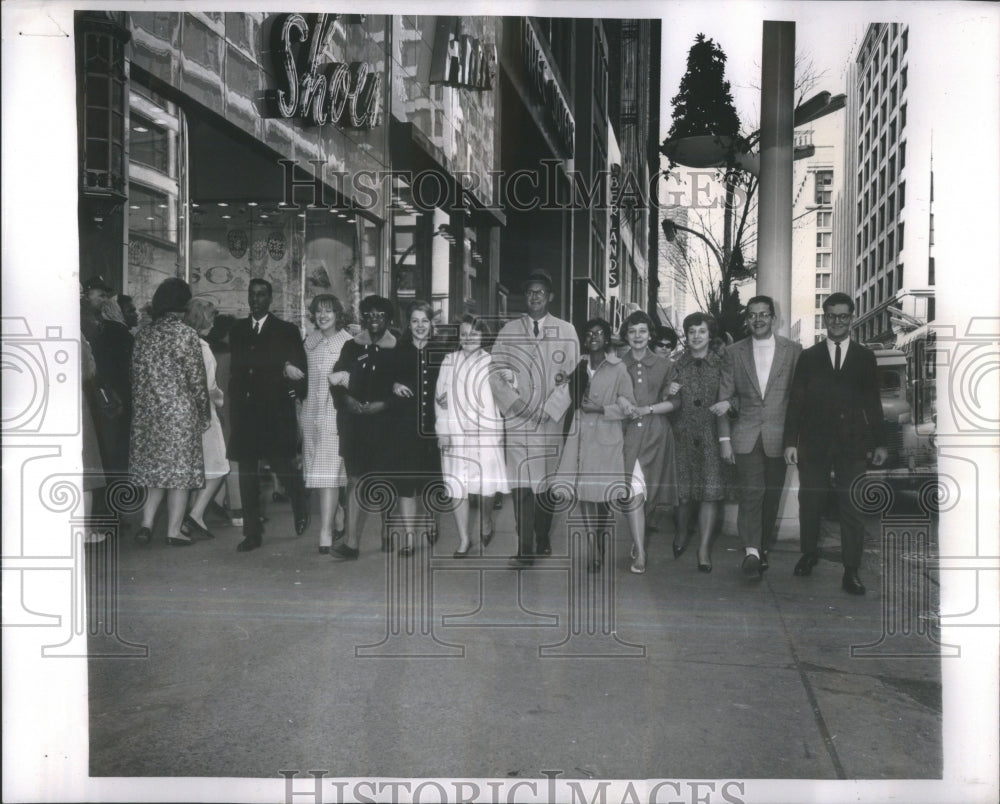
778 363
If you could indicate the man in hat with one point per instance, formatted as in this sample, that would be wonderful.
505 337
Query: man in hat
268 371
533 357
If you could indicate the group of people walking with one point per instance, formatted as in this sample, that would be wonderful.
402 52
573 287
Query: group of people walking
402 415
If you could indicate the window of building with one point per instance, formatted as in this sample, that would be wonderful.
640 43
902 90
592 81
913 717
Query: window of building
824 180
823 260
881 147
890 241
820 298
906 40
824 220
888 283
901 194
891 208
899 236
902 78
892 167
930 270
149 214
892 132
902 155
881 217
881 256
899 276
930 232
823 239
857 274
893 95
902 117
822 281
410 53
879 286
931 308
819 322
149 144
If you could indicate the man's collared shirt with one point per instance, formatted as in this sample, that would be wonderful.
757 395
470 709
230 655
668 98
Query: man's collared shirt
831 347
258 324
763 358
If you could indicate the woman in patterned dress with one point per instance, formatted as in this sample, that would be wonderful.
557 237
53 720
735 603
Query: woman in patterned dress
200 317
697 431
323 467
418 457
470 432
649 440
170 411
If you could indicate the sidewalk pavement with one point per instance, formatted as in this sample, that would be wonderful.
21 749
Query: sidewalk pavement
436 667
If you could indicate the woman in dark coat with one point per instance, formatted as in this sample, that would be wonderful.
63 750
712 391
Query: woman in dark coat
170 411
362 380
418 459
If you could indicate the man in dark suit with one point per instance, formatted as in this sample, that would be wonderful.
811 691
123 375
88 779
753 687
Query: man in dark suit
834 420
754 391
268 371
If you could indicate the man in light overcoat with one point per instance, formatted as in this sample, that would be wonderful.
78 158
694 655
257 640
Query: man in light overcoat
533 358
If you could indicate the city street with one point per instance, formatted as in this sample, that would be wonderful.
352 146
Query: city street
281 659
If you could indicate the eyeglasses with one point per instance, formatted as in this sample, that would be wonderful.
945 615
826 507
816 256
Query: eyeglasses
536 294
373 315
758 316
838 318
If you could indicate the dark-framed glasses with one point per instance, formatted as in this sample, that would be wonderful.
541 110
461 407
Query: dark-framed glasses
838 318
758 316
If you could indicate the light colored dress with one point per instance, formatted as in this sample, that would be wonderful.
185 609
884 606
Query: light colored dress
473 463
323 467
213 443
593 460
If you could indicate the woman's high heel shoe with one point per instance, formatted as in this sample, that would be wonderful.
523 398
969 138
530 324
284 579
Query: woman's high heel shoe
678 551
462 553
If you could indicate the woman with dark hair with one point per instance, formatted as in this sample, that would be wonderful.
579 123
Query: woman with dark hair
593 460
649 441
200 316
170 411
362 380
418 459
470 431
323 467
697 431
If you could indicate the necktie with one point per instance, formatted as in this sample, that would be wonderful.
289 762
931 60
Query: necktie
256 327
836 358
535 324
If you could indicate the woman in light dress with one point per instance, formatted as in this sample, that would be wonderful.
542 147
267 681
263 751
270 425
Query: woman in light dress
593 460
200 316
470 432
323 468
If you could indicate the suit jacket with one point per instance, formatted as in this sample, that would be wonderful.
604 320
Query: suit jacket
758 412
263 421
536 371
835 412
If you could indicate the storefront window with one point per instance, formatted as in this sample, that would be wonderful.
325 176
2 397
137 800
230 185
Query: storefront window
148 144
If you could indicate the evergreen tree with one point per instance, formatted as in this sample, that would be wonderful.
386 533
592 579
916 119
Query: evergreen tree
704 103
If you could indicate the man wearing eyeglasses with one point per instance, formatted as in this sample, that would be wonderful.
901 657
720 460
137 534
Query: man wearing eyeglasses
533 358
754 391
834 421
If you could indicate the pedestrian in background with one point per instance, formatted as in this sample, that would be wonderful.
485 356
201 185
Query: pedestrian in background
323 467
200 316
416 447
170 411
702 439
470 432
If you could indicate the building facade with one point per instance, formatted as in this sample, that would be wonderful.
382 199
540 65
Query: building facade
816 180
890 273
421 157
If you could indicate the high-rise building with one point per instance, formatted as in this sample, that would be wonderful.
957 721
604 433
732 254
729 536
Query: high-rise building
886 259
816 180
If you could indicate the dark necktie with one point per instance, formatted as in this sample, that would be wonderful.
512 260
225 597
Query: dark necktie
256 327
535 324
836 357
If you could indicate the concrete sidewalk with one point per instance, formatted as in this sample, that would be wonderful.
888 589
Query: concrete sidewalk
435 667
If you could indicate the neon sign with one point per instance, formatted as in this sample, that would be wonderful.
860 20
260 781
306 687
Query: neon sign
346 95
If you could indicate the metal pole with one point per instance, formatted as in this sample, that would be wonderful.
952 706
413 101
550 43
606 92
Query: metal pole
774 215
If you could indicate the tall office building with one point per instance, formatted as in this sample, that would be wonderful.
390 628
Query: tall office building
885 254
816 180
